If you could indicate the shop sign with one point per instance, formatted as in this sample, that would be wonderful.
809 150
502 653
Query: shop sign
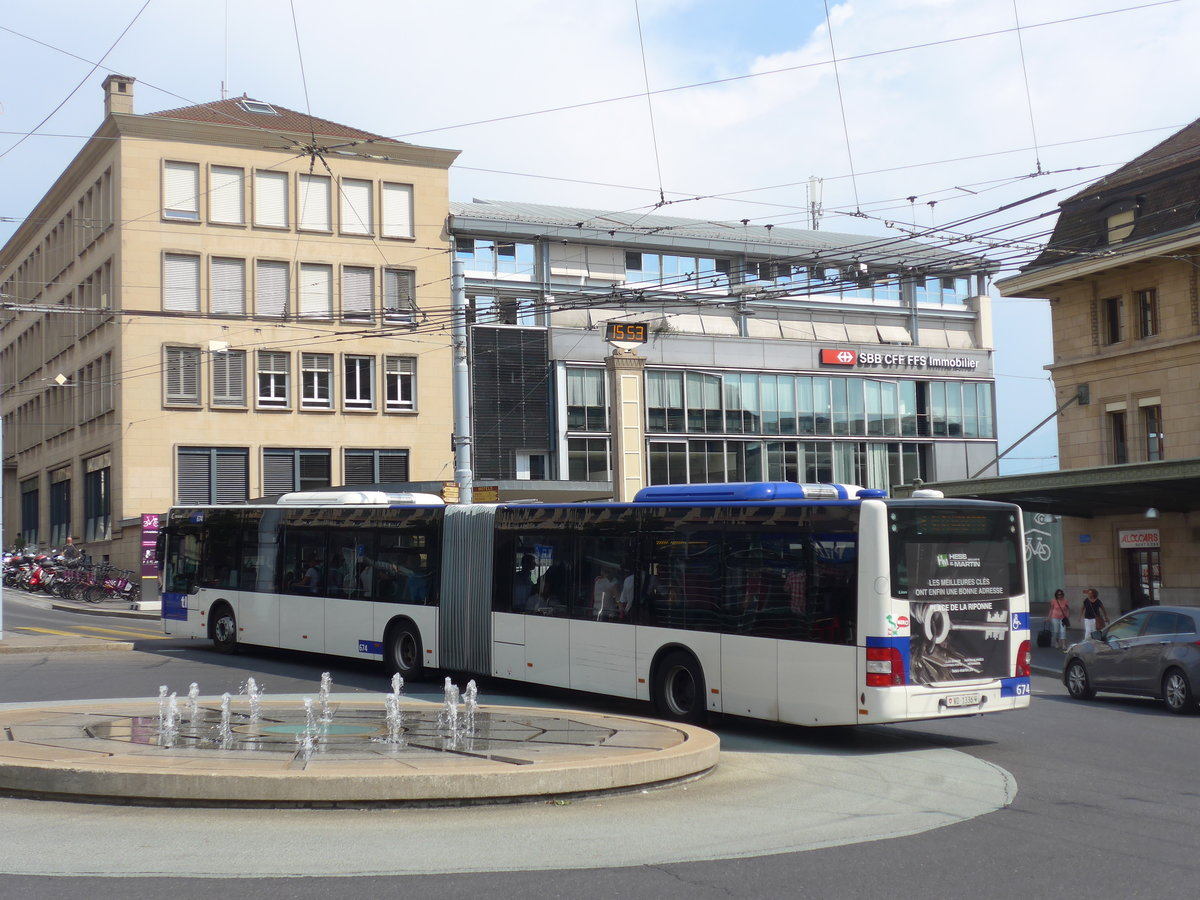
923 361
1138 539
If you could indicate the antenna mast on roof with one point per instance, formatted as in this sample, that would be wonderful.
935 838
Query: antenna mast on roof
814 202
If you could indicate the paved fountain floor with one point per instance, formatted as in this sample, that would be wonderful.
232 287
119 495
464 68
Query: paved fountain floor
346 752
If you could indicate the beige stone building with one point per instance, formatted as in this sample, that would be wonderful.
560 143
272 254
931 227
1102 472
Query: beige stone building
221 302
1122 274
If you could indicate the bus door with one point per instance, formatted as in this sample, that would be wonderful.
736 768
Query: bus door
818 659
602 655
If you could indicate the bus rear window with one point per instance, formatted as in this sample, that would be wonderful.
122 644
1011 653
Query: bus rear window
955 552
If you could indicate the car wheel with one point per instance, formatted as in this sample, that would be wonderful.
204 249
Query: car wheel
1079 685
1177 692
404 653
224 629
679 689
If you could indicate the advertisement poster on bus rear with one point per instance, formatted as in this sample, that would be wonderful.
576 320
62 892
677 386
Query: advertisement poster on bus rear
959 611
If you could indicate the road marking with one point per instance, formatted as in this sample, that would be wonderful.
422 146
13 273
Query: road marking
53 631
148 635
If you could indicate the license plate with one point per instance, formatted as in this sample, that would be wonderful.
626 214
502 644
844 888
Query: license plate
963 700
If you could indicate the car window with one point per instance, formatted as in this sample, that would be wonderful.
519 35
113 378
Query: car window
1187 625
1167 623
1128 627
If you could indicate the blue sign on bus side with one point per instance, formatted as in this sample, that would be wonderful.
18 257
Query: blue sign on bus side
1019 621
1015 687
375 647
174 606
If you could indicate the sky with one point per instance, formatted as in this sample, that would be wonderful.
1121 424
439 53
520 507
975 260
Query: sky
919 117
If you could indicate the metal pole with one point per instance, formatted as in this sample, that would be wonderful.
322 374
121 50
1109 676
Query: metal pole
462 382
1 526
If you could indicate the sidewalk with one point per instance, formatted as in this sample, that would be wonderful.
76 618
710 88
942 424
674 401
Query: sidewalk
1047 660
13 641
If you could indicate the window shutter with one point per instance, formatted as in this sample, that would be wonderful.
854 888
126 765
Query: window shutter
183 375
397 211
194 474
229 378
357 212
181 190
279 473
270 199
398 302
360 468
271 289
181 283
227 195
228 287
316 290
314 202
233 476
393 465
358 293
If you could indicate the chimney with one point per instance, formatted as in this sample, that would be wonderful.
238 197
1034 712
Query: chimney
118 95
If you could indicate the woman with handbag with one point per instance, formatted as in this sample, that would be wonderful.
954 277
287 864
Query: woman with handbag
1094 614
1060 619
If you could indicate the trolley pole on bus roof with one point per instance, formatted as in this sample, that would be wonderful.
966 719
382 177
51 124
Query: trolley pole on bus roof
462 382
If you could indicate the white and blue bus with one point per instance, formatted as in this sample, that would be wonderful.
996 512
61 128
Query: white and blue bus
806 604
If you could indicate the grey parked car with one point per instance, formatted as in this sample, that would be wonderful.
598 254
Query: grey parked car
1150 652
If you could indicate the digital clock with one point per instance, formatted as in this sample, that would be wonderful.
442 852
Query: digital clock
625 332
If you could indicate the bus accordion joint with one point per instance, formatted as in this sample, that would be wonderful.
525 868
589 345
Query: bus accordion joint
885 667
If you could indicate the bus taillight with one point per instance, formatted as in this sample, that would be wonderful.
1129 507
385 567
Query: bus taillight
1024 660
885 667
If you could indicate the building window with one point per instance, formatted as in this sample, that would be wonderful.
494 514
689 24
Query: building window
29 510
1152 425
316 381
486 309
97 498
271 289
316 291
587 407
1111 314
375 466
181 376
587 459
399 296
357 207
314 202
668 462
273 387
271 199
294 470
664 402
358 293
227 196
400 377
208 475
359 383
669 270
228 287
228 378
531 465
1120 225
60 509
181 283
181 191
1118 448
397 210
1147 307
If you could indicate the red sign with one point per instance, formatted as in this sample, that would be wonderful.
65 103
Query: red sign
838 357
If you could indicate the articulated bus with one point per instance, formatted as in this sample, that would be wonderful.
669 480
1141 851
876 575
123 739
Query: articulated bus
805 604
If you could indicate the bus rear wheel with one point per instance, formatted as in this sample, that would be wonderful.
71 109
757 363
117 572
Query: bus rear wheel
404 653
224 629
679 689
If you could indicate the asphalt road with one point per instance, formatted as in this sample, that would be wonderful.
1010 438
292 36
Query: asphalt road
1106 805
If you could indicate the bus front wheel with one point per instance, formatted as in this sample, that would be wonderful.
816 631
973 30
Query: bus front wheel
404 652
679 689
224 629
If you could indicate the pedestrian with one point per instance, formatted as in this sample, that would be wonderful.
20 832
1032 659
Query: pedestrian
1095 616
72 554
1060 619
